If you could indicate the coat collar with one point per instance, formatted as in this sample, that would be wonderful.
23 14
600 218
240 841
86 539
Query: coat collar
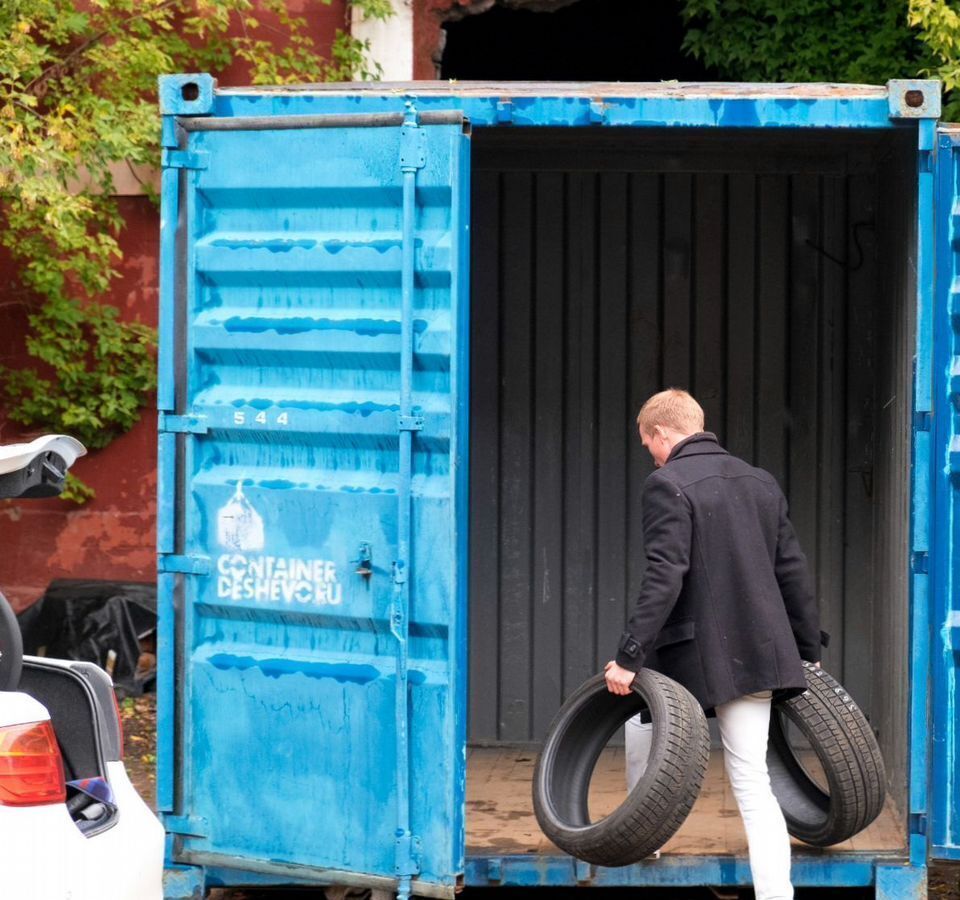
703 442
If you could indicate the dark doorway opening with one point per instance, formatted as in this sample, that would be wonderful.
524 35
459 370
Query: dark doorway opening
591 40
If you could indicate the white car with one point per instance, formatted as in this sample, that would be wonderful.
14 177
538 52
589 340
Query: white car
72 826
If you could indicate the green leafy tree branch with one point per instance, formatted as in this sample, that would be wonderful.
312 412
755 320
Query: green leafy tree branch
938 24
859 41
77 86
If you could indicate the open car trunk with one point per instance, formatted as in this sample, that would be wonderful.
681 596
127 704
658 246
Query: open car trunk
79 698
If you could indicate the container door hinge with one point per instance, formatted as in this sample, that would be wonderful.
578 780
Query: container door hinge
184 565
920 562
184 159
188 826
413 144
171 424
922 420
408 854
918 823
409 423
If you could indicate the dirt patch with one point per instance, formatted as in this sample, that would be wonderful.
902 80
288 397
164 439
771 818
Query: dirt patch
139 718
944 881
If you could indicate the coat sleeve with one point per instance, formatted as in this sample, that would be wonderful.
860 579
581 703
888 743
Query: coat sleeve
793 576
667 536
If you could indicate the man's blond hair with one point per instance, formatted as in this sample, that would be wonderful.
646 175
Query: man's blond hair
674 409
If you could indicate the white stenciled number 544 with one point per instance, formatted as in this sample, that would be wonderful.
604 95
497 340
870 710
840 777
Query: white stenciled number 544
241 418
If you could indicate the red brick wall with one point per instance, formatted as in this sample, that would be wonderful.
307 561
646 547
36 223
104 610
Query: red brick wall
112 536
428 17
322 24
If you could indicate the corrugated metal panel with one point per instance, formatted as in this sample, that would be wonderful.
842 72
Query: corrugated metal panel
287 738
594 288
896 337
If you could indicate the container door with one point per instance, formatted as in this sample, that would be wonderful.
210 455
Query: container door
315 454
944 630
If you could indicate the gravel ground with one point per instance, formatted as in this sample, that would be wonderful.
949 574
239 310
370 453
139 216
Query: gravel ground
139 729
944 882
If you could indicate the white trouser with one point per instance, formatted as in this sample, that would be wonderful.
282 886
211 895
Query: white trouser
744 724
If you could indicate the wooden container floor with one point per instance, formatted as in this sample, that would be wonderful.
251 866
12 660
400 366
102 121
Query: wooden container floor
500 819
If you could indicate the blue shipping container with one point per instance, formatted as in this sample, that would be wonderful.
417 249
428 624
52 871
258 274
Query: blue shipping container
788 251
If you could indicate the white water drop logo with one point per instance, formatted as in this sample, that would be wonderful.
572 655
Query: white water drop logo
239 525
245 575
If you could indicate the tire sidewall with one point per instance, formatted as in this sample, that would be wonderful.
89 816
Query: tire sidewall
650 686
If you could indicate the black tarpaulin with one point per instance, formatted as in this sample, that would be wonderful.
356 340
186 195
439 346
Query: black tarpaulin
93 620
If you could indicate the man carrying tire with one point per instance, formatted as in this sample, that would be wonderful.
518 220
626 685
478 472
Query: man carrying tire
726 609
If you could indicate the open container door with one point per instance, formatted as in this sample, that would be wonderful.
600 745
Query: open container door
944 831
313 494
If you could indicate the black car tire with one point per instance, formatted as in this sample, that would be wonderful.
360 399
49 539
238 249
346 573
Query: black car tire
657 806
11 648
846 748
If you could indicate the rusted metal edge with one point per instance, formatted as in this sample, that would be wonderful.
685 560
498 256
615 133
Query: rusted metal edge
312 874
497 90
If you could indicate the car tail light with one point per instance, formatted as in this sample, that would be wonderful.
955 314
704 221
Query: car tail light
31 770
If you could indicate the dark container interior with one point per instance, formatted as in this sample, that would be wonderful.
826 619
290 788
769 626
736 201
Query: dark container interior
772 274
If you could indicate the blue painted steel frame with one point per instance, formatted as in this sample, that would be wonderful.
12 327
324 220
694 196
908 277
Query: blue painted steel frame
669 871
922 509
810 871
712 106
166 471
460 453
942 629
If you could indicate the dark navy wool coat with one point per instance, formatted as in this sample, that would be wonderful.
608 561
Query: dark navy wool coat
727 606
